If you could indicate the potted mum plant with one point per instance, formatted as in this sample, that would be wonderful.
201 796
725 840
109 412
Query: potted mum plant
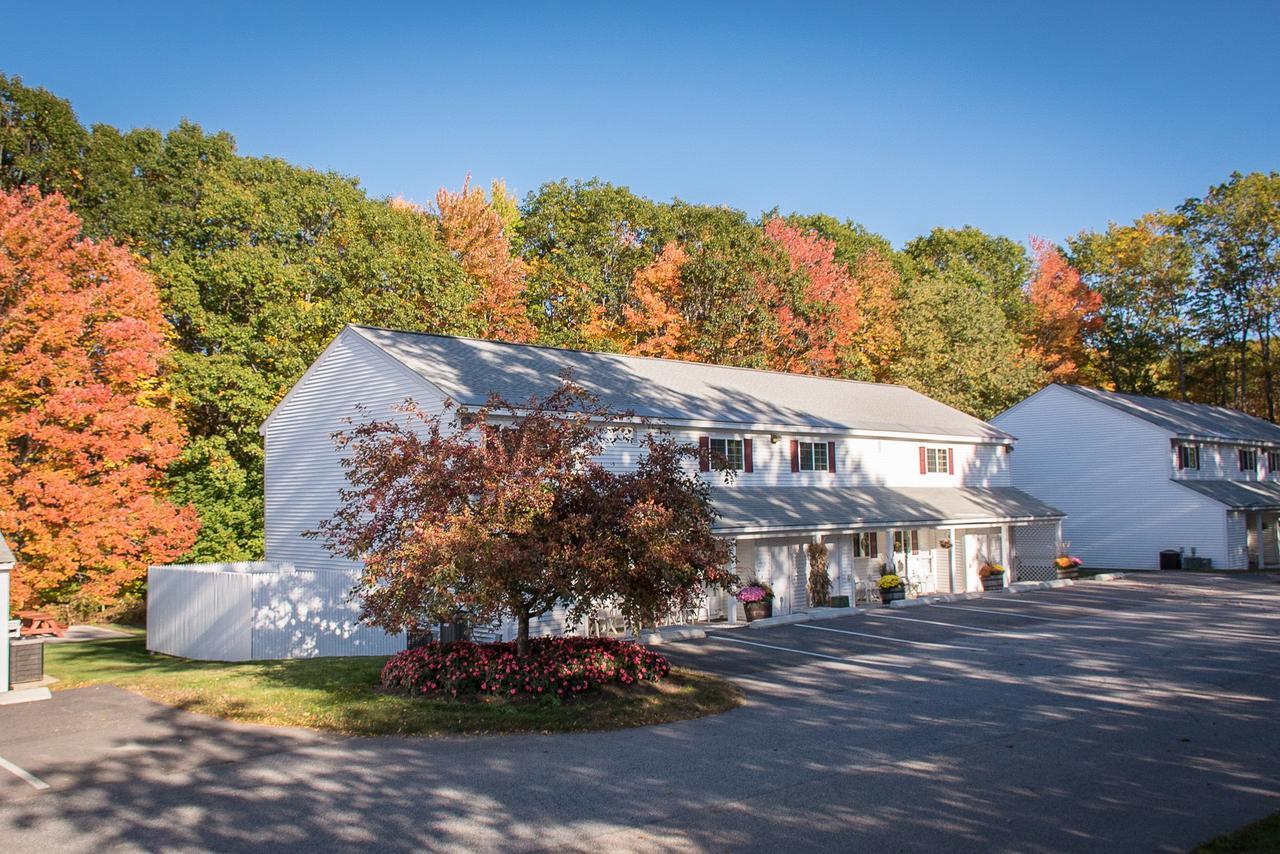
1068 566
757 600
992 575
891 588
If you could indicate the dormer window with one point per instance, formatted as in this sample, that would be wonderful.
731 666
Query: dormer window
1188 456
1273 461
1248 459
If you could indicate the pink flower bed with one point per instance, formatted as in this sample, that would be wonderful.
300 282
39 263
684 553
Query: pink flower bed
559 667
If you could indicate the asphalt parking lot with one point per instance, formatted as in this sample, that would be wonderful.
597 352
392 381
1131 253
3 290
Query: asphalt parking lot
1129 716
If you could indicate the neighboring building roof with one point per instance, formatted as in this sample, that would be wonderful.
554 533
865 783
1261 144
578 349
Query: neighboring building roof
470 369
748 509
1238 494
1193 420
6 554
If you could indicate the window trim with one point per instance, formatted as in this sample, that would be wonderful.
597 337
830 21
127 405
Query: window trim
725 441
1273 460
937 459
1241 453
1188 457
813 446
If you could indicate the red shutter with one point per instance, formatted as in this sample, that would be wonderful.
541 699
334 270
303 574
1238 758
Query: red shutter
922 465
1178 450
875 545
951 460
704 453
746 455
795 455
915 542
831 456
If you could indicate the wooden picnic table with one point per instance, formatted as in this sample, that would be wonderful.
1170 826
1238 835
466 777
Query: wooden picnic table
39 623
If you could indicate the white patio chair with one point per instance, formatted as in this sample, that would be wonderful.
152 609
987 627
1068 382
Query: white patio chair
866 590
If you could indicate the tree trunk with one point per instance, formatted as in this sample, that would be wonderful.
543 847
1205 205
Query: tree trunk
1268 390
522 634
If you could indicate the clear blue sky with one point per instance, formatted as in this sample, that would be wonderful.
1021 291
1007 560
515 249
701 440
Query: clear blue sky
1018 118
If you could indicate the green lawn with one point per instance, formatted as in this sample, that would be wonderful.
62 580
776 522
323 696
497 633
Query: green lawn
1261 836
338 694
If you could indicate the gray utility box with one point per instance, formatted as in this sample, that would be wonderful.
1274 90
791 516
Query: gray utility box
1197 562
26 661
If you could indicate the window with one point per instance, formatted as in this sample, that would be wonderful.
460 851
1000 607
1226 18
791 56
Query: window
1188 456
1273 460
935 460
865 545
729 450
906 541
813 456
1248 459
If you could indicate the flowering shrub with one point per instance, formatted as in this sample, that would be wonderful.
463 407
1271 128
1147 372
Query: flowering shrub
559 667
989 569
890 581
757 591
1069 562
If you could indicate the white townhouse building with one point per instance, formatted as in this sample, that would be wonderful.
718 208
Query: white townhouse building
882 474
1141 475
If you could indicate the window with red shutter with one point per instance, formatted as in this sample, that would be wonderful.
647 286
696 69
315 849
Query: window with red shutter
831 456
746 455
795 455
915 542
704 453
923 470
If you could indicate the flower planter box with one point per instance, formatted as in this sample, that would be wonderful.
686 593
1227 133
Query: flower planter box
993 582
892 594
1067 573
758 610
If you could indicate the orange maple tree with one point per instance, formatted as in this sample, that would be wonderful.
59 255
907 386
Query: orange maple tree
815 333
475 231
1063 309
86 430
652 322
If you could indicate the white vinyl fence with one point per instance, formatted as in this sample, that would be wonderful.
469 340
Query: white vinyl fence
257 611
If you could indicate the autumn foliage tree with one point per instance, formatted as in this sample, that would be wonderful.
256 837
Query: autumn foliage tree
505 513
477 232
1063 310
816 329
86 430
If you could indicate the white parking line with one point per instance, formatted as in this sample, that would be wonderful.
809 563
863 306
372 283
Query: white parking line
887 638
938 623
1010 611
850 662
22 774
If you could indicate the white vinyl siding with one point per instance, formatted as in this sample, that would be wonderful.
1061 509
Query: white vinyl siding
303 472
1111 474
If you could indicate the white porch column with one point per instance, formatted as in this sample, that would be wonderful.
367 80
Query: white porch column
4 624
1257 524
1006 552
731 605
890 556
951 579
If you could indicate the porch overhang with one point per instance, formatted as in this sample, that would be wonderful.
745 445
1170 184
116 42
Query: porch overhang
756 511
1238 494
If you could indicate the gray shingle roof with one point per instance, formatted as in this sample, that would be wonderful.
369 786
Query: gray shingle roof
752 508
469 369
1197 420
1238 494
